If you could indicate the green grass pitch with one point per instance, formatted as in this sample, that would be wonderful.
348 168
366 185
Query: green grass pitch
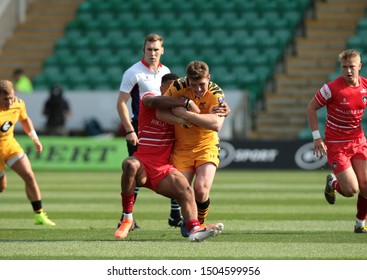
267 215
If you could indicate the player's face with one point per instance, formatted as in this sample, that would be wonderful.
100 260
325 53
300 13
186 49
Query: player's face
199 87
153 52
6 100
350 70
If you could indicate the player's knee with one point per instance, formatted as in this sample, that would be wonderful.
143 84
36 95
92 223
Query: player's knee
184 192
130 165
28 177
2 186
201 194
2 182
350 192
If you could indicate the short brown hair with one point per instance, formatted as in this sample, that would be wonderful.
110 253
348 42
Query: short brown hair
6 87
349 55
197 70
153 38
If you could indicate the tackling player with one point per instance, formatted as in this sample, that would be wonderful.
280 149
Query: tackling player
143 76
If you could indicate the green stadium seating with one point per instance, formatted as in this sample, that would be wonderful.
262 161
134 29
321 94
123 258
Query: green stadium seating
227 35
224 77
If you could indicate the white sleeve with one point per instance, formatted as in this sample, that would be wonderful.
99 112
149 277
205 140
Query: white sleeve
129 80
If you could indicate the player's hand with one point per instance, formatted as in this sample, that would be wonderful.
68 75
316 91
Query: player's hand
184 124
222 110
38 145
319 148
132 139
192 107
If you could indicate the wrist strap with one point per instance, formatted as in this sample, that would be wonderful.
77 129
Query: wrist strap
187 104
129 132
316 134
33 135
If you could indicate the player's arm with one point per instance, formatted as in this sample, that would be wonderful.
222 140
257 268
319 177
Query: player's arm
124 115
28 128
209 121
167 102
123 111
167 116
164 105
319 145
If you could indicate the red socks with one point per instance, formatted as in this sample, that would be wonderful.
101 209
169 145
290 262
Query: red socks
127 202
361 208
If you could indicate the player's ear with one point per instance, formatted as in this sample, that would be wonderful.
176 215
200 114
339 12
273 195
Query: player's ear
162 50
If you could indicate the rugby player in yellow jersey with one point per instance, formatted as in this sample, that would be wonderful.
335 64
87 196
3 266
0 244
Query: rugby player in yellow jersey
12 110
196 149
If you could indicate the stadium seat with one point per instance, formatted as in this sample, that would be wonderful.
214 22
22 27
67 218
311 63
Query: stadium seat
222 76
294 18
285 7
233 21
282 23
274 54
212 21
362 25
40 82
264 7
284 36
255 26
88 62
357 42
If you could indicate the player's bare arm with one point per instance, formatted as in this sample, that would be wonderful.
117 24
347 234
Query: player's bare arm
209 121
28 128
166 102
167 116
123 112
319 145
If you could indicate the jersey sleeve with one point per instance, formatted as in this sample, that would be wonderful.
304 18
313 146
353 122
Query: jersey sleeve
23 111
128 81
217 95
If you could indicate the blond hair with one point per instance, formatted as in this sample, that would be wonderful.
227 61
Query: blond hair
6 87
349 55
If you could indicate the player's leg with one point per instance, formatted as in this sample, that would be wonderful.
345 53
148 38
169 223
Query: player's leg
344 181
203 181
175 219
131 149
184 162
133 173
3 178
22 166
175 185
360 167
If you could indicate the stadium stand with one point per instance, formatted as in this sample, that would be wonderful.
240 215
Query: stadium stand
237 33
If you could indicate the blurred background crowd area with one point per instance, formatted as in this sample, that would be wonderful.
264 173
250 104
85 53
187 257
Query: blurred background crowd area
270 57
